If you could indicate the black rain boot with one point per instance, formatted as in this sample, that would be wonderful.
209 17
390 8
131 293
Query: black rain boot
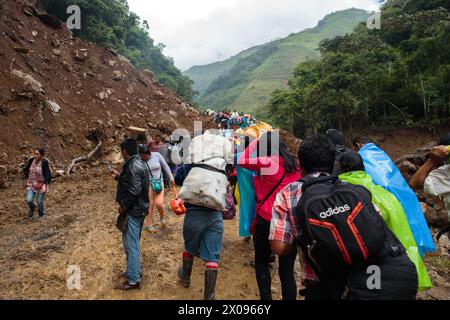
210 284
184 272
31 212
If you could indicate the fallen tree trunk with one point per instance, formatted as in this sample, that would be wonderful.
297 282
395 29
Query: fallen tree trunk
75 161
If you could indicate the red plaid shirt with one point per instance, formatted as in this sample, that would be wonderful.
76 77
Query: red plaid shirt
282 227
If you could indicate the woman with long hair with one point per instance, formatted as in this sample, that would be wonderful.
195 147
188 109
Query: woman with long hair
156 165
38 174
274 167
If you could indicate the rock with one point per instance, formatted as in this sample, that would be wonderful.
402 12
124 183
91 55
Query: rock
60 173
29 10
26 94
173 113
103 95
159 93
28 80
56 43
56 52
66 66
435 218
54 107
80 55
118 76
34 33
112 63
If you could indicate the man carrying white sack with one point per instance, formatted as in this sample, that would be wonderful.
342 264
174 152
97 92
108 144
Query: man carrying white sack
204 184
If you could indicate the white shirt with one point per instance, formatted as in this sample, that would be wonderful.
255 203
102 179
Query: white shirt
438 184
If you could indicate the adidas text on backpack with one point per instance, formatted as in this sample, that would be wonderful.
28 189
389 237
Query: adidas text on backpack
339 228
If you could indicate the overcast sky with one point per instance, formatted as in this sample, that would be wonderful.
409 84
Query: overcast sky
198 32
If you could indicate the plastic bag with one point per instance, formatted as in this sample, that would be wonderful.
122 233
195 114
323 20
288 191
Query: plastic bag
176 204
395 219
257 130
386 174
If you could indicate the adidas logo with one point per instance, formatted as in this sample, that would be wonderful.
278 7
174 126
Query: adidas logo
331 212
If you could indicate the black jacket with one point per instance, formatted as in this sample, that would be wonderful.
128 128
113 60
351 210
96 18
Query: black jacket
133 187
46 172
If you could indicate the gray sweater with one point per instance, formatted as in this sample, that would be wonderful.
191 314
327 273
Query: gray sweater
156 163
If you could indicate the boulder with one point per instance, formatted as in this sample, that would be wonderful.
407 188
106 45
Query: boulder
56 43
118 76
80 55
436 218
54 107
25 94
28 80
103 95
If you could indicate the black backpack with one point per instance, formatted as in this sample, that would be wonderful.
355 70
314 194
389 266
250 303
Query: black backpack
338 226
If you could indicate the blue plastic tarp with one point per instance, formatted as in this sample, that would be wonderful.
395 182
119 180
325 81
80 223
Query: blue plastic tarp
385 173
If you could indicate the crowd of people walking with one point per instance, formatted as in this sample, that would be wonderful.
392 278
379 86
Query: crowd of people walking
332 206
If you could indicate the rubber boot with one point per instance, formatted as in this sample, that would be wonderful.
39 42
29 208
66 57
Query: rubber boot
210 284
184 272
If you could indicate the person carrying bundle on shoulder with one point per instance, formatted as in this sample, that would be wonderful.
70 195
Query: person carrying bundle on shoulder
204 183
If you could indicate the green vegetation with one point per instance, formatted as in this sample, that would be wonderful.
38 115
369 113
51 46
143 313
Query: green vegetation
399 75
246 81
111 24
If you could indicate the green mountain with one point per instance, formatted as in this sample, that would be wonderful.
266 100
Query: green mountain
246 81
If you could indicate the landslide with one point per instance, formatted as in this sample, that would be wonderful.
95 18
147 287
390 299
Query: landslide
63 93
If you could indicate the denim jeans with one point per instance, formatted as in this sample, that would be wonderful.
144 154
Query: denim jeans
203 234
131 244
40 201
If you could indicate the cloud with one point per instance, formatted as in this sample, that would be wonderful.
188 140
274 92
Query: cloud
198 32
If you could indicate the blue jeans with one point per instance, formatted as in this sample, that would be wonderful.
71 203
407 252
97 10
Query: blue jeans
40 201
203 232
131 244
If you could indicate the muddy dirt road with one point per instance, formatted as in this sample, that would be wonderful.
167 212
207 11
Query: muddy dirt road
80 230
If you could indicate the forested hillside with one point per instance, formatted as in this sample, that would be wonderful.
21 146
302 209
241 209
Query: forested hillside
398 75
111 24
246 81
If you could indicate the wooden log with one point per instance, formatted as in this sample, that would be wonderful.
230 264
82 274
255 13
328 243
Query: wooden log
77 160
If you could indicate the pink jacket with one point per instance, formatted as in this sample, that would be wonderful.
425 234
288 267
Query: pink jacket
264 183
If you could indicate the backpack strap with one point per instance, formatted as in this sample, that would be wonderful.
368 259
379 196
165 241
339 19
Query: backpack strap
208 167
273 190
